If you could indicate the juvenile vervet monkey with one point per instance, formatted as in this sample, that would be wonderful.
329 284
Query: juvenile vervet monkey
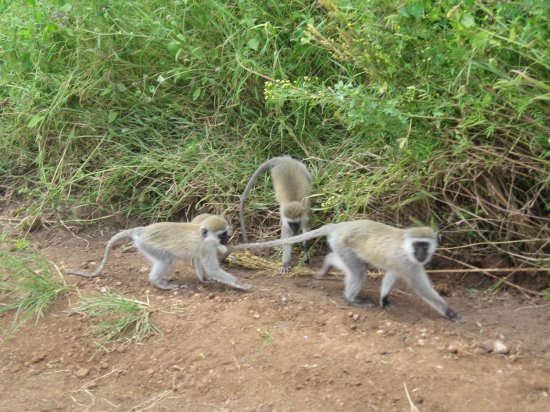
292 184
399 252
161 243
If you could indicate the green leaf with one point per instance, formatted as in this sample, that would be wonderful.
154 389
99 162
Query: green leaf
196 94
112 117
254 43
467 20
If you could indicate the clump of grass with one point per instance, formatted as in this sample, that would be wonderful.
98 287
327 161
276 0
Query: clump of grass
123 320
27 286
266 335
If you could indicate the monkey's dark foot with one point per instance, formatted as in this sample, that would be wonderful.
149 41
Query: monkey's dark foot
365 303
452 315
385 303
165 285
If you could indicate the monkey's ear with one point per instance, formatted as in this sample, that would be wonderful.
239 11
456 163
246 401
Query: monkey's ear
204 232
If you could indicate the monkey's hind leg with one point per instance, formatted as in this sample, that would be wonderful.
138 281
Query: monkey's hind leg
385 287
354 270
160 265
421 284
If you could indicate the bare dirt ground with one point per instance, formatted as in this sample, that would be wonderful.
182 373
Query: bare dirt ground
291 344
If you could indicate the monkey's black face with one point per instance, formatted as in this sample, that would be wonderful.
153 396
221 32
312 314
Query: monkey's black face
294 226
421 251
224 238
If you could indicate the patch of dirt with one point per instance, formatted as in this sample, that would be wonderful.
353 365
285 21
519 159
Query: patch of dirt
291 344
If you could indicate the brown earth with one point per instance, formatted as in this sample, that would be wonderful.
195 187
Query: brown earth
291 344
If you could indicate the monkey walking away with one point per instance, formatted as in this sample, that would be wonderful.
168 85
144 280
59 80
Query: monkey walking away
401 253
161 243
292 184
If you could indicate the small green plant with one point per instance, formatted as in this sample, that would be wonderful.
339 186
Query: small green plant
27 286
266 335
123 320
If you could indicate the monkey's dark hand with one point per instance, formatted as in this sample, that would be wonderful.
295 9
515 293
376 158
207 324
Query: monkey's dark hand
452 315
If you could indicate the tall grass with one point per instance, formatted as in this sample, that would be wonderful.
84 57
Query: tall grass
406 111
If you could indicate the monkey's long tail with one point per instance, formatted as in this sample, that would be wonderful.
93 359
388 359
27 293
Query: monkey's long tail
261 169
312 234
124 234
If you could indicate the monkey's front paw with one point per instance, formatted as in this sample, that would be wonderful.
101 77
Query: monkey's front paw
385 303
452 315
244 286
284 269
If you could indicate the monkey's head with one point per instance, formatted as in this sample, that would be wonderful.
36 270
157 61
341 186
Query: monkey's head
420 244
216 227
293 215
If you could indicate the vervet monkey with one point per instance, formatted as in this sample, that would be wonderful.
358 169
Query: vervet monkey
399 252
161 243
292 184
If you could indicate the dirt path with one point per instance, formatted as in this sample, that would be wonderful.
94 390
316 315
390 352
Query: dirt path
289 345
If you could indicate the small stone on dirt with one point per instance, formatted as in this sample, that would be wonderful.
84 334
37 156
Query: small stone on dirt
38 358
500 348
452 348
143 269
82 373
356 316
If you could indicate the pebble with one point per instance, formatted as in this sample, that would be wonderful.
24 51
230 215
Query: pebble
38 358
452 348
143 269
82 373
500 348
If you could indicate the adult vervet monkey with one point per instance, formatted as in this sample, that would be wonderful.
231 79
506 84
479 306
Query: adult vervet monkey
401 253
292 184
161 243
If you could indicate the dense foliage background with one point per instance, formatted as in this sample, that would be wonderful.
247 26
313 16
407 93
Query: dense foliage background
405 111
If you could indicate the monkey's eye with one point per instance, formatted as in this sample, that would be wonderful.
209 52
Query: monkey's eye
204 232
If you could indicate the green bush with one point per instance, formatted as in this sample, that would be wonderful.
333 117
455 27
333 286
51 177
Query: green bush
433 111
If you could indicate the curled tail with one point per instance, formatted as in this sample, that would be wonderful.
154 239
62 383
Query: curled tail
112 241
261 169
312 234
